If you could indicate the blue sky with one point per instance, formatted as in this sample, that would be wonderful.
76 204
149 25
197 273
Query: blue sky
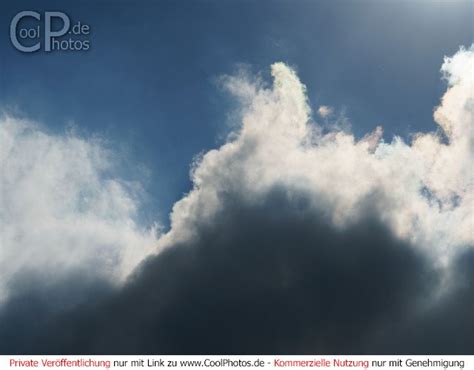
148 81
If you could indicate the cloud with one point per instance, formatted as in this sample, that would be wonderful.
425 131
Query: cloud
325 111
272 277
292 240
268 277
422 190
447 322
62 209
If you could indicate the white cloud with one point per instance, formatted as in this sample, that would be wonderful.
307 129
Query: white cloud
423 190
324 111
61 208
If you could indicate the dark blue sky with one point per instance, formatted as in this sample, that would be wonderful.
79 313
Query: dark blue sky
148 81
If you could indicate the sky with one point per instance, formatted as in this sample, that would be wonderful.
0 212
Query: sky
199 178
148 81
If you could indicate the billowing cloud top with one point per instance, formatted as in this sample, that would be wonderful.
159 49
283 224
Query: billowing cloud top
422 190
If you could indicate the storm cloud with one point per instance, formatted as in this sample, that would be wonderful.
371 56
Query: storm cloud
272 277
292 240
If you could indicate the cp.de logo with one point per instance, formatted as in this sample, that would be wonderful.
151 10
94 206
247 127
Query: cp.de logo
27 39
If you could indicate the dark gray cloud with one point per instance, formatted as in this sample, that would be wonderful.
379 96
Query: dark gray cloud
266 277
445 325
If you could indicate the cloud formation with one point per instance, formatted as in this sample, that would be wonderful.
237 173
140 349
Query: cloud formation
422 190
255 280
325 111
62 209
292 240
